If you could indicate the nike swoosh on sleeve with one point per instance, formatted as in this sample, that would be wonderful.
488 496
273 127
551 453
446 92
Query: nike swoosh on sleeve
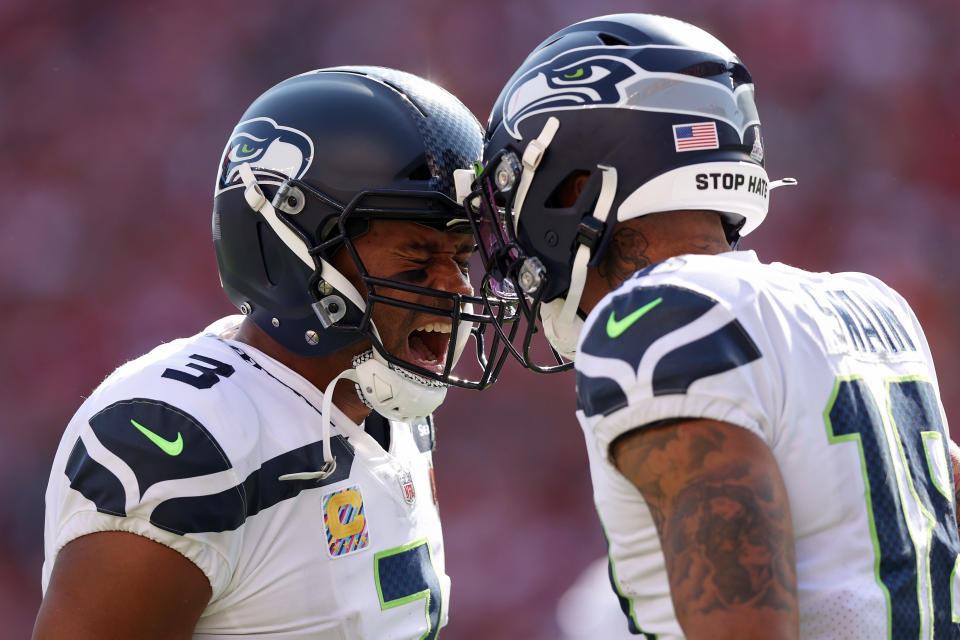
615 328
169 447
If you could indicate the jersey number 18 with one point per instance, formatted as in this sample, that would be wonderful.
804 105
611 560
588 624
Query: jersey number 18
909 504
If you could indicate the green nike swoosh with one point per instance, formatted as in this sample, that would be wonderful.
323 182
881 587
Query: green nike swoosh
169 447
616 327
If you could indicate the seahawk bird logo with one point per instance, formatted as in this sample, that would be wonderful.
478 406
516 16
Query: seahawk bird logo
616 77
273 151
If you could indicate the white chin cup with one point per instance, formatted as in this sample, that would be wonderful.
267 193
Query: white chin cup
393 392
563 336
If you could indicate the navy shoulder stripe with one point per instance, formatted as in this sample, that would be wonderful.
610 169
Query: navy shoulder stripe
228 510
726 348
158 441
632 321
599 395
95 482
624 329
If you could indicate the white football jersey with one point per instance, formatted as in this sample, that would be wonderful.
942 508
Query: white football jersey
833 372
187 445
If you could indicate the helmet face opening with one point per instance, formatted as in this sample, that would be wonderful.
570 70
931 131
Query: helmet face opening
511 276
465 316
494 231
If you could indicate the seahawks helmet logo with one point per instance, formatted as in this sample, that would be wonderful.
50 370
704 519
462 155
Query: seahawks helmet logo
272 151
613 77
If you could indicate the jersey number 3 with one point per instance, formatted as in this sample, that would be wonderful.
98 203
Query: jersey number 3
909 504
405 574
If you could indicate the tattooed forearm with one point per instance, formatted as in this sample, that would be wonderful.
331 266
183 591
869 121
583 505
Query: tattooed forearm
724 521
625 256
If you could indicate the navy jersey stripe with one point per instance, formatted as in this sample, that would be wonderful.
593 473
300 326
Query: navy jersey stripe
599 395
727 348
228 510
678 308
95 482
157 441
673 308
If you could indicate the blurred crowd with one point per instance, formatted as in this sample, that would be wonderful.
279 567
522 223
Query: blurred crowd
113 116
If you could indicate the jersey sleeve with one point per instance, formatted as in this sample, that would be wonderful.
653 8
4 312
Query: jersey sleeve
662 348
144 466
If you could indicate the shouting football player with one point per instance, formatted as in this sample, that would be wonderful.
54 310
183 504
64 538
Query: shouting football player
768 448
224 484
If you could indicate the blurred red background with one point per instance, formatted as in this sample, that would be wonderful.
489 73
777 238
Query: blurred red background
113 116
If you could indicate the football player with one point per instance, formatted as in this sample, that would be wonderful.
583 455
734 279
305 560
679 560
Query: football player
224 484
768 448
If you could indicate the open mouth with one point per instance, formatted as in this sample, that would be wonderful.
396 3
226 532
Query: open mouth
428 345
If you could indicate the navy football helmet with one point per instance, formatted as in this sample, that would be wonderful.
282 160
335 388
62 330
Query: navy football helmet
653 113
312 161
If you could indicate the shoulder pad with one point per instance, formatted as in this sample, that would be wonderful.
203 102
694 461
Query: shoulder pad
153 442
619 340
630 322
157 441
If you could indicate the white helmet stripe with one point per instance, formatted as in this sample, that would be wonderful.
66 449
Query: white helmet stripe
578 275
532 156
259 203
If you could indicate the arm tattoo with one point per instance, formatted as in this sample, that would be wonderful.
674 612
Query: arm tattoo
625 256
724 525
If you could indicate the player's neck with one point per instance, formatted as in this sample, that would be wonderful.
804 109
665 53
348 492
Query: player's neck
642 242
318 371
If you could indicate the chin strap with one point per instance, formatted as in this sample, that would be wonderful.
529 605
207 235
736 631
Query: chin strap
532 156
561 324
329 460
562 337
578 274
258 202
393 392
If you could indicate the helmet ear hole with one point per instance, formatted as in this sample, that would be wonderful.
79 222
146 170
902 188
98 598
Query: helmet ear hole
568 190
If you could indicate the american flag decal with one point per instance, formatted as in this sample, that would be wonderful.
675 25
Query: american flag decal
695 136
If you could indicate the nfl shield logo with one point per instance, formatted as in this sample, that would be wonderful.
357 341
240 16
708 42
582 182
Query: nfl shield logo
405 478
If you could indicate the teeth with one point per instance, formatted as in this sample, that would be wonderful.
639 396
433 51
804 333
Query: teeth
436 327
